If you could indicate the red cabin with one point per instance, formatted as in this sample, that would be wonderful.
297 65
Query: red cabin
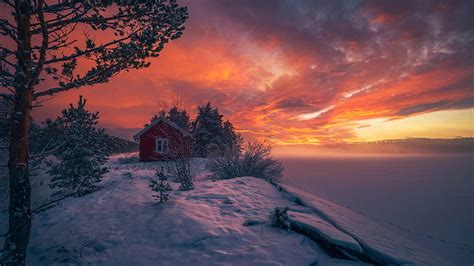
163 140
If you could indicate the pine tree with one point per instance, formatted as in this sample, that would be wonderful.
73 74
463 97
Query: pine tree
212 136
82 154
179 117
232 140
160 187
182 169
207 131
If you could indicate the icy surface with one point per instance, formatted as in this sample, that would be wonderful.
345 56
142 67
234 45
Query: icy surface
427 199
377 241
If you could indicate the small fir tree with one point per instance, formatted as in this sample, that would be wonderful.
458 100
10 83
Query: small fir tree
160 187
279 218
82 153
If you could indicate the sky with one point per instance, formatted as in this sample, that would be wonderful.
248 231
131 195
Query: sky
306 72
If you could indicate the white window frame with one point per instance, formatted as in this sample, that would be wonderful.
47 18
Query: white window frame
162 148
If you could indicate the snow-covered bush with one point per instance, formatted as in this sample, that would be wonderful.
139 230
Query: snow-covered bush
81 153
182 171
160 187
255 160
180 167
279 218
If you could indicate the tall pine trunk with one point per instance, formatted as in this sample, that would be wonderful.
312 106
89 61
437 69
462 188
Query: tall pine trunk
19 229
20 189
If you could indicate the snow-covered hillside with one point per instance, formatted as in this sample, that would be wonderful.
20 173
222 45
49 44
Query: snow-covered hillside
122 224
222 222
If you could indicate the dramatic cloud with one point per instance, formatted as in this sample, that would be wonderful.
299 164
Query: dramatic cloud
297 72
315 114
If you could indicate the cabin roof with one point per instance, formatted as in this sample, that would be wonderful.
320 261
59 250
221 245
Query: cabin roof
183 132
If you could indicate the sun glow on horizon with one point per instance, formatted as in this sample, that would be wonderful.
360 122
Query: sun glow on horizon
441 124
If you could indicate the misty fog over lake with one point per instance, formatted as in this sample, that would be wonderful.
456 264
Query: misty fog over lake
427 198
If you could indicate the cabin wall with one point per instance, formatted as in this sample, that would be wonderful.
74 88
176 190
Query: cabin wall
178 146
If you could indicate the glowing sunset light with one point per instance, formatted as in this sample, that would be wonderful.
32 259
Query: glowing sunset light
307 72
315 114
442 124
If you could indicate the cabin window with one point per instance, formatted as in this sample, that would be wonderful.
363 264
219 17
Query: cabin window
162 145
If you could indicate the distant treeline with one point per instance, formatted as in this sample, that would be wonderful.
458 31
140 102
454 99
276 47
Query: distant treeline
124 145
411 145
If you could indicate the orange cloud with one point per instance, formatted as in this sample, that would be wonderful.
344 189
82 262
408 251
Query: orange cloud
298 75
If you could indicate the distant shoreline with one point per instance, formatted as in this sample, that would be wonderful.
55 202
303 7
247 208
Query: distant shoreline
414 146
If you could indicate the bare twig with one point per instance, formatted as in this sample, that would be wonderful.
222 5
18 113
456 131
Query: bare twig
85 80
87 51
42 207
7 96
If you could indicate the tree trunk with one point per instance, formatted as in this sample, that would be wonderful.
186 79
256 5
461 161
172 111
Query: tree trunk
20 190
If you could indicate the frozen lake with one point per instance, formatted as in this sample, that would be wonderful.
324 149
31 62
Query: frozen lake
427 198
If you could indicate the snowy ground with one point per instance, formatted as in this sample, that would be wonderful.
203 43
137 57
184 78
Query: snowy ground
223 222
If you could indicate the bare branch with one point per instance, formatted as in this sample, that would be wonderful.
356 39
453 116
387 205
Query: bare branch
8 29
45 152
61 24
5 60
49 204
87 51
60 6
79 18
7 96
38 103
59 16
44 44
9 3
7 83
88 79
6 51
59 38
5 73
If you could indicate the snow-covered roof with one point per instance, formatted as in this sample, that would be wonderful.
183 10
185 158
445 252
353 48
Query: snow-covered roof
183 132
